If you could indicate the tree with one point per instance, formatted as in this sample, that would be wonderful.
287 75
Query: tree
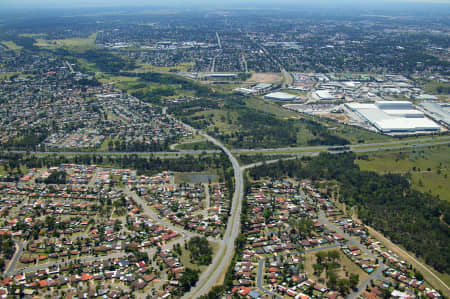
343 285
334 255
56 177
200 250
189 279
268 212
332 278
318 269
354 280
321 257
418 275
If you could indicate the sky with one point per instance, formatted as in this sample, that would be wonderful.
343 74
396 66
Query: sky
43 4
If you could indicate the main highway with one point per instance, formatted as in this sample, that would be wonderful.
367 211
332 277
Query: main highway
364 147
225 254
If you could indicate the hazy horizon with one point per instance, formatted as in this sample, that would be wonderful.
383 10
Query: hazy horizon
57 4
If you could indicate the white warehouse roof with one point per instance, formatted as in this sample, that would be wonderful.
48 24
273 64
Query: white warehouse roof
324 95
401 124
409 113
397 116
394 105
281 96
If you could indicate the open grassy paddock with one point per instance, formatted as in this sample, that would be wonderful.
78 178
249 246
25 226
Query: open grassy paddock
74 44
429 168
11 45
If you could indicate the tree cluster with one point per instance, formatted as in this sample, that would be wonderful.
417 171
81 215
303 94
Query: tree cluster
200 250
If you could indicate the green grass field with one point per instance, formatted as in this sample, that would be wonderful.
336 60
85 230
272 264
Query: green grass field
74 44
133 84
429 167
7 76
12 46
182 67
271 107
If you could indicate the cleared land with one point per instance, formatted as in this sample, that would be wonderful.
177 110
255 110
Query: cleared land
75 44
135 84
195 177
12 46
182 67
266 78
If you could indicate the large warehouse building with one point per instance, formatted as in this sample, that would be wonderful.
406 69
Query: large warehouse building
394 117
438 111
280 96
323 95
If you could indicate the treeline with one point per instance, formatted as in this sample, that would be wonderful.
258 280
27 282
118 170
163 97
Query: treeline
107 62
136 146
6 250
386 202
200 250
26 142
322 134
167 79
143 165
27 43
256 129
188 108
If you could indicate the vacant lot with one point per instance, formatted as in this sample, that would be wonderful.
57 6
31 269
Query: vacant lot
76 44
12 46
347 266
182 67
266 78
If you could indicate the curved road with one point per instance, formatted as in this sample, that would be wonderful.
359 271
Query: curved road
12 264
225 254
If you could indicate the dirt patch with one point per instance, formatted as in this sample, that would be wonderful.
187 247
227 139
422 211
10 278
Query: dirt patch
340 117
266 78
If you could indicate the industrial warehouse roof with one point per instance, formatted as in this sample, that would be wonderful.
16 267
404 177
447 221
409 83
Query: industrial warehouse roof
438 111
281 96
396 117
324 95
403 124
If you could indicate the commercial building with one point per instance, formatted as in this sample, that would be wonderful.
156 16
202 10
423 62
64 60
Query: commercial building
280 96
220 75
394 117
426 97
256 89
438 111
324 95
